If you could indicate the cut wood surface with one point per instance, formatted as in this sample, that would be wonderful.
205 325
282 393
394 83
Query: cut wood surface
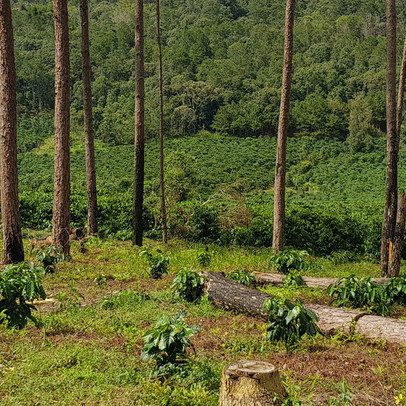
251 383
230 295
323 283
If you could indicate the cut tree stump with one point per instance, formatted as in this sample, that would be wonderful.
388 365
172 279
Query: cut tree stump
323 283
230 295
251 383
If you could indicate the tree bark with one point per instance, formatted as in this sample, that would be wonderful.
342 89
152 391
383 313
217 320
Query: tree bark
88 122
251 383
390 212
322 283
396 255
139 145
229 295
13 250
401 93
61 209
280 166
161 126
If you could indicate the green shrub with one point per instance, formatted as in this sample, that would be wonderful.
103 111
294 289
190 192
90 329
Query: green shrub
289 260
244 277
188 284
293 280
395 290
49 256
167 341
289 322
20 284
204 259
158 264
360 293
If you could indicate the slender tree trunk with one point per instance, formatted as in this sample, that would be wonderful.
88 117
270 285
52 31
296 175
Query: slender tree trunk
401 93
161 126
61 210
138 198
280 167
396 254
13 250
390 212
88 121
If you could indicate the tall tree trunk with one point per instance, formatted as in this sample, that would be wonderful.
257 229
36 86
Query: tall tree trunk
401 93
390 212
280 167
161 126
396 254
138 197
88 121
61 210
13 250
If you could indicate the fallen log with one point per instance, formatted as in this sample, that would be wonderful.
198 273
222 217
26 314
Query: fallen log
323 283
229 295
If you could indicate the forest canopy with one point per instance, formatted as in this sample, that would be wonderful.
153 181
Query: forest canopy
222 68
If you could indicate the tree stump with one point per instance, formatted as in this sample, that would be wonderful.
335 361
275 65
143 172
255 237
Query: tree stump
251 383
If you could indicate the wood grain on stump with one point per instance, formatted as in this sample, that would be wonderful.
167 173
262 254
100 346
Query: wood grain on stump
251 383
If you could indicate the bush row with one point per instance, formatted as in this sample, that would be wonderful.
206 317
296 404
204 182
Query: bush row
319 230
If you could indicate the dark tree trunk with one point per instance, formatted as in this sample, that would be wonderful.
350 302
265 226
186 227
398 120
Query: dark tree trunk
139 145
13 250
88 121
61 210
390 212
401 93
161 127
396 254
280 167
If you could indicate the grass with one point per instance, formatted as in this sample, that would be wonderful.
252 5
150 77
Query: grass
88 346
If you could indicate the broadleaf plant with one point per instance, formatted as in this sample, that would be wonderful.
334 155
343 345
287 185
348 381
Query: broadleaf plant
19 284
289 322
188 284
166 343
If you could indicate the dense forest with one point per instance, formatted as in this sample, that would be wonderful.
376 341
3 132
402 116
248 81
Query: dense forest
222 68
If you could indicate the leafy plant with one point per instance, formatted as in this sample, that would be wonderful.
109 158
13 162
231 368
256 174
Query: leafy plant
204 259
344 398
167 341
289 322
189 284
360 293
20 284
244 277
158 264
289 260
293 280
49 256
395 290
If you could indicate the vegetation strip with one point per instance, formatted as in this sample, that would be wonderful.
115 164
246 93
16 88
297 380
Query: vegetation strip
232 296
323 283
